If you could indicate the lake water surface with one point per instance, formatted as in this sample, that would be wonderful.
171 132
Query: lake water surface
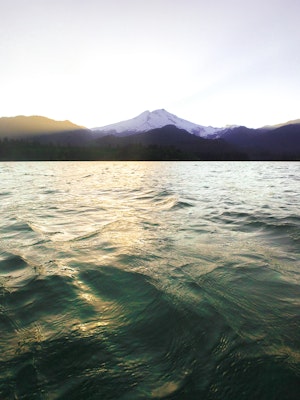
149 280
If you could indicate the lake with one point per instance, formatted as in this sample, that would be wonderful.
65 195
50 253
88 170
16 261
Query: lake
149 280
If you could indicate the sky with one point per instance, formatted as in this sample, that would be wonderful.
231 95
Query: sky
97 62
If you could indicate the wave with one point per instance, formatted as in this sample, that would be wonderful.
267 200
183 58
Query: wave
142 284
170 202
113 331
288 226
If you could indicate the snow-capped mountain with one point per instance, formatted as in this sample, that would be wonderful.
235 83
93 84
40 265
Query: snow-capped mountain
152 120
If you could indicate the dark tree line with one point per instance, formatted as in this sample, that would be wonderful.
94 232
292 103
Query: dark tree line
23 150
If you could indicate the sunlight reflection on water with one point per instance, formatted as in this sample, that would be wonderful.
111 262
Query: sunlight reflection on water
149 280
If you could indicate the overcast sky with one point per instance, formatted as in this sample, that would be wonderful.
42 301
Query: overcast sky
95 62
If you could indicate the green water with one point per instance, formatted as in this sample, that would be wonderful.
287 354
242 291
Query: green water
149 280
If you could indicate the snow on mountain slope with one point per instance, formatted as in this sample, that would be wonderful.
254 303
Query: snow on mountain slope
151 120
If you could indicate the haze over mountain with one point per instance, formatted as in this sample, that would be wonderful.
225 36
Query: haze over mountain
42 129
210 62
292 122
22 125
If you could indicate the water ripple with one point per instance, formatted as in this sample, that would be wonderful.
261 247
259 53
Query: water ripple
149 281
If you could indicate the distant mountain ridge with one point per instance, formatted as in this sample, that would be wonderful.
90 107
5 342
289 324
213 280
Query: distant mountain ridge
156 135
292 122
281 143
42 129
22 125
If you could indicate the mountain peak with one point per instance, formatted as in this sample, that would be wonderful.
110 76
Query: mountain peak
160 111
149 120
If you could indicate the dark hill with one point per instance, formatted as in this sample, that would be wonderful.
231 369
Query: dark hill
281 143
190 147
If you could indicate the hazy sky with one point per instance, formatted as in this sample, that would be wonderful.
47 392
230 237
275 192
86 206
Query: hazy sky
95 62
